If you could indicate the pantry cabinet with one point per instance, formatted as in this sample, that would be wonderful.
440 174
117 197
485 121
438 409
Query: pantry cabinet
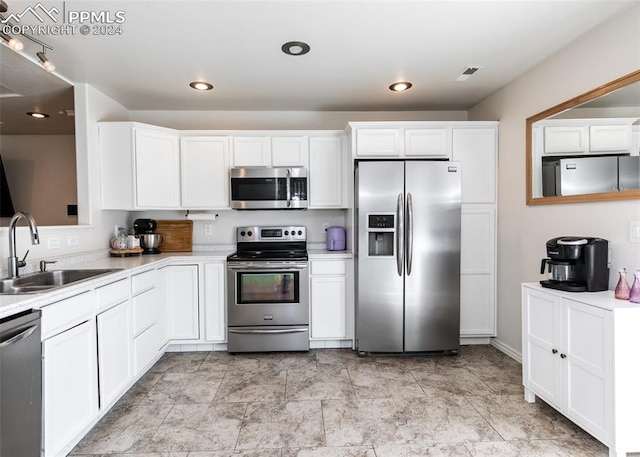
204 166
578 356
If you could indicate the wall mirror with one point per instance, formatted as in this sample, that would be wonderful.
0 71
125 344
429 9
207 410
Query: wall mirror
38 156
587 148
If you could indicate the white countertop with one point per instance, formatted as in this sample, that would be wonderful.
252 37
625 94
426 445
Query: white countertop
604 300
13 304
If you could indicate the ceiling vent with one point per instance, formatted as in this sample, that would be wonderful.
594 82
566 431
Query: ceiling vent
467 72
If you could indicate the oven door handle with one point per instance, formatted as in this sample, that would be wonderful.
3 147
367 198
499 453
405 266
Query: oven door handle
265 266
267 331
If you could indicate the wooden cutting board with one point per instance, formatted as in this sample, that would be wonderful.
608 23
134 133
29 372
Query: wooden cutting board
177 235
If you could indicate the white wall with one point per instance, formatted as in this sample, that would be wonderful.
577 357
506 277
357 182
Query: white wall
91 106
604 54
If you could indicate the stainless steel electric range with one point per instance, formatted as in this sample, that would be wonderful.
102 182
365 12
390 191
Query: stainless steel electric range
268 290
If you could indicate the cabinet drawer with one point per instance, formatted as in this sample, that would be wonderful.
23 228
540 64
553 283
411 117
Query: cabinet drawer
112 294
144 281
328 267
144 311
64 314
145 349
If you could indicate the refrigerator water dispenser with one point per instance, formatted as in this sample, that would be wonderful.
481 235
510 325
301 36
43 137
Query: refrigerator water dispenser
381 231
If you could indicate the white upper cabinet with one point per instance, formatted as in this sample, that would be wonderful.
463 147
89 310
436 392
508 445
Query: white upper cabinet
428 142
267 151
327 172
378 142
583 136
204 163
476 149
139 166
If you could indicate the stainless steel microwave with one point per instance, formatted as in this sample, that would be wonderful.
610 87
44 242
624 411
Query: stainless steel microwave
269 188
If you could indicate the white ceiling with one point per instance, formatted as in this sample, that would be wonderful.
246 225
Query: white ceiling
358 48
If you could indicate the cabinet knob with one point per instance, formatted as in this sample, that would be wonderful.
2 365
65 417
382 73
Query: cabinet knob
555 351
563 356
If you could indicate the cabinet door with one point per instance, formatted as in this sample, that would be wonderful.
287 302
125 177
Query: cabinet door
215 304
114 352
476 150
477 271
430 142
588 366
378 143
251 151
157 169
328 307
542 339
289 151
326 187
204 163
565 139
610 138
70 386
181 295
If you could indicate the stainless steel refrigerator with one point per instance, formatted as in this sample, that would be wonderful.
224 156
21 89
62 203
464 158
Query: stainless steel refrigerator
407 256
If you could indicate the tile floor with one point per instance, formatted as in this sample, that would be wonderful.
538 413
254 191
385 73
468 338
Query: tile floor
331 403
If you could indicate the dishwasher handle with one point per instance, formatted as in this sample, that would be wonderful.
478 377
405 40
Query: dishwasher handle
19 337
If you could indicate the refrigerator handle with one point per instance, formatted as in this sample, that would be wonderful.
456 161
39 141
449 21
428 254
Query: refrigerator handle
409 250
400 234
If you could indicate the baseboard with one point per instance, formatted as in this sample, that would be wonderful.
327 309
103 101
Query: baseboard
501 346
469 340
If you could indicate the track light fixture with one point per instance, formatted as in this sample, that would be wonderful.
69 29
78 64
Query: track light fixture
46 63
18 46
12 42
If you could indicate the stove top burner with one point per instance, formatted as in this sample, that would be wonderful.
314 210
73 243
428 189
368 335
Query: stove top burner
269 255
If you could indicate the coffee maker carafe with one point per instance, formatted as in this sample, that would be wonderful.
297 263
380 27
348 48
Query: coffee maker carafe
576 264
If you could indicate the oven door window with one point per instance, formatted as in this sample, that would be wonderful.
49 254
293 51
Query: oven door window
268 287
258 189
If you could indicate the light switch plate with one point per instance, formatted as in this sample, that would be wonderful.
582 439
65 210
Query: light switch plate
634 231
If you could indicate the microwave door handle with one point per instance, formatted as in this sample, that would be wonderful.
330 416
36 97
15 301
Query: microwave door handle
288 188
399 234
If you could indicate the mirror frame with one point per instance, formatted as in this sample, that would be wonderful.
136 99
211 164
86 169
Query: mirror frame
576 101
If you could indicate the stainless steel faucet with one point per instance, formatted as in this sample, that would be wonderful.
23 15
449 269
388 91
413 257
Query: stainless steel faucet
13 263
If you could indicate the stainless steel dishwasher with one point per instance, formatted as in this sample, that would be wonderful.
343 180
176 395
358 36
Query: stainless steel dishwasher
20 385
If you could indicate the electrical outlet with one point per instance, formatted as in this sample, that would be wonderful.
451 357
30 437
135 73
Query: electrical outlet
208 229
73 241
634 231
325 226
53 243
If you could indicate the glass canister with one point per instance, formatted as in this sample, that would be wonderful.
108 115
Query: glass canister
634 294
622 288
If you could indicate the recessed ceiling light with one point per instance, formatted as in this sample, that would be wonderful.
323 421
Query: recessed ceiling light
37 115
295 48
201 85
400 86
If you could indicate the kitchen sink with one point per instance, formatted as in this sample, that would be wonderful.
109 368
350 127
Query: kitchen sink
47 280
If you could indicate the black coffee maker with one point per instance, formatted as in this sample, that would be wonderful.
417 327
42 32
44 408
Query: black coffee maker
576 264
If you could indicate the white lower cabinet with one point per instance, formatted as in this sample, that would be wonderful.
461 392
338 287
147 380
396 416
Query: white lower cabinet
70 386
215 326
579 356
180 285
114 352
145 310
328 299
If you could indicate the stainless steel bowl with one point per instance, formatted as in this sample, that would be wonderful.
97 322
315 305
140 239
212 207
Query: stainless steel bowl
151 241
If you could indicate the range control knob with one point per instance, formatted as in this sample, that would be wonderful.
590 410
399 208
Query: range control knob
286 232
300 232
242 233
249 233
